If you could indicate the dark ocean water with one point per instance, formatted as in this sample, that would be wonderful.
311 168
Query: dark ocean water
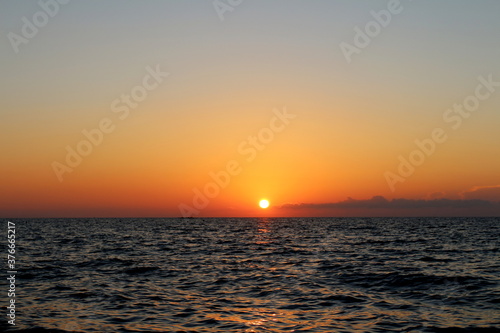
257 275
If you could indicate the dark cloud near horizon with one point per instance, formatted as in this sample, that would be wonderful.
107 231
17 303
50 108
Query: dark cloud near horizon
490 193
379 202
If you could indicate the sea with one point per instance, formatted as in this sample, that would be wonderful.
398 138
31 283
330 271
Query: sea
255 275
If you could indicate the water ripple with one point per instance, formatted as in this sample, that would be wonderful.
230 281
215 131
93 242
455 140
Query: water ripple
258 275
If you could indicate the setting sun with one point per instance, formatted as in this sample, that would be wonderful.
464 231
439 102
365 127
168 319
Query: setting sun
264 203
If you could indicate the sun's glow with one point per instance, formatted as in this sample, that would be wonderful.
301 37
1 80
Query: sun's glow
264 203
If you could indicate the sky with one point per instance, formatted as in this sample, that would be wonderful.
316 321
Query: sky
201 108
